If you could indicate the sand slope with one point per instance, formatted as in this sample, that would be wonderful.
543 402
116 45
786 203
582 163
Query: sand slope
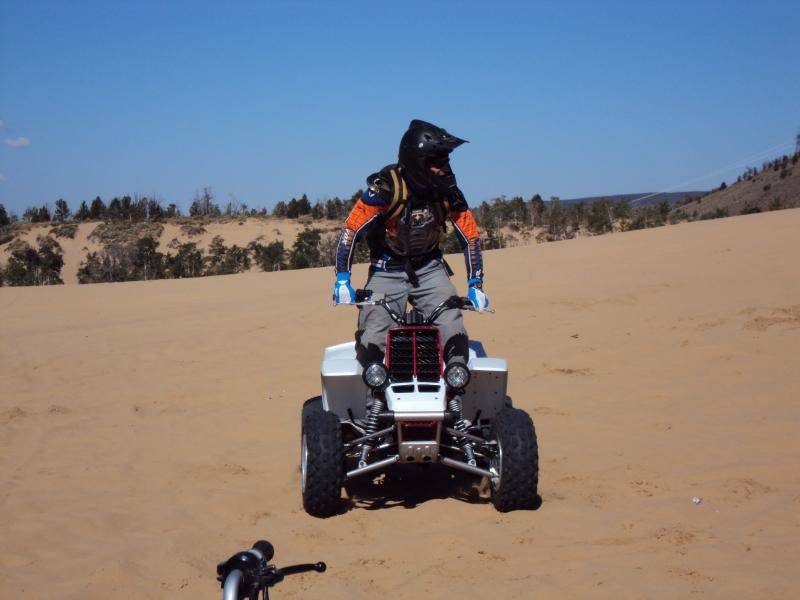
149 429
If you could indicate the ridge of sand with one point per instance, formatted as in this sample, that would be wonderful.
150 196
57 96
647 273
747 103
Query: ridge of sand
150 429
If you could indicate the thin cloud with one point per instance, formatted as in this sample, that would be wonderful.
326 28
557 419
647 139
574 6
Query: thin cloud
17 142
2 123
2 177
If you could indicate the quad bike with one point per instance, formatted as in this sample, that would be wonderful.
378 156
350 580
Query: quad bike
412 409
248 574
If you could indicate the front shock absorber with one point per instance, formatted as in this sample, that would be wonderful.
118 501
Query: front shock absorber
371 426
462 425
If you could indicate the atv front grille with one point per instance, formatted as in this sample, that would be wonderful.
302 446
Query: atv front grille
414 351
429 358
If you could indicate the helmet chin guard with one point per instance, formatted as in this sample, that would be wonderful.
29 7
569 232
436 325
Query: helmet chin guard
423 146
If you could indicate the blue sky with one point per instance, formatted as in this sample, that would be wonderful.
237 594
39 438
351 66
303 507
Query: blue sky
270 100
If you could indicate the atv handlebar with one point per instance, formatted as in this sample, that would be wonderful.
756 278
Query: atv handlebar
365 297
248 574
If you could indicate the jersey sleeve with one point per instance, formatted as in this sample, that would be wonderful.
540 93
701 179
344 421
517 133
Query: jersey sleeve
466 229
361 218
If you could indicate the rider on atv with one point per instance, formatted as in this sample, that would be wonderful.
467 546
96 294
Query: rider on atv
403 214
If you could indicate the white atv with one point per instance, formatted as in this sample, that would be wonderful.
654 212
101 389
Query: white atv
412 409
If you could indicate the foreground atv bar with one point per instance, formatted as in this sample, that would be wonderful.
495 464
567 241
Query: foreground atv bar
373 466
457 464
449 462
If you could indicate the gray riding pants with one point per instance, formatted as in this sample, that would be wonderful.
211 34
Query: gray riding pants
434 288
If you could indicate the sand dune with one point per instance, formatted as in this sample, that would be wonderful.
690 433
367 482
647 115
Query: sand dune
149 429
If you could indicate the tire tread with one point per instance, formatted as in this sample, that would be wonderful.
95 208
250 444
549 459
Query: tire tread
325 465
519 481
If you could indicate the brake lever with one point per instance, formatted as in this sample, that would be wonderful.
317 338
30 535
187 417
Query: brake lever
471 308
365 298
319 567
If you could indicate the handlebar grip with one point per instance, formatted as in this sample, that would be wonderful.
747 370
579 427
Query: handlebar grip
265 548
362 295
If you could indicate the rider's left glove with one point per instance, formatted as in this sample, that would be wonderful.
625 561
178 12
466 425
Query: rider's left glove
476 295
343 292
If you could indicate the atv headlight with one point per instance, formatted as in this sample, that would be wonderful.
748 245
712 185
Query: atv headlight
457 375
375 375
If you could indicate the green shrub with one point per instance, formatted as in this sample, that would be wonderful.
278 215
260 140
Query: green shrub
187 262
65 230
271 257
121 233
222 260
717 213
305 251
31 266
124 262
193 229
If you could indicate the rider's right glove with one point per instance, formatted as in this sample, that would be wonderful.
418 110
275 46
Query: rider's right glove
343 292
476 295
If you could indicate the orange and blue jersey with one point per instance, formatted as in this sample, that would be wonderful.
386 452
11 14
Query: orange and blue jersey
368 216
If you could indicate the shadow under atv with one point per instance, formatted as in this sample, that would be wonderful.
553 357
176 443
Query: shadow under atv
412 486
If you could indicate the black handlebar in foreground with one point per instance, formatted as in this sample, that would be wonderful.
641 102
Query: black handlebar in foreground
248 574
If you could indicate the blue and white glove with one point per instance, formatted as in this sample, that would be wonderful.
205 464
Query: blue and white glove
343 292
476 295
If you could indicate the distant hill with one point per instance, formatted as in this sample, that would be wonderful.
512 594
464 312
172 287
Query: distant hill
775 186
645 199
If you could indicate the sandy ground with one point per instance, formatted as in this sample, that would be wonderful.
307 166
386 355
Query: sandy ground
148 430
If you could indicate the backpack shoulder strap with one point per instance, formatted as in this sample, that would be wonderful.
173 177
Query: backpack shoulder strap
399 194
442 211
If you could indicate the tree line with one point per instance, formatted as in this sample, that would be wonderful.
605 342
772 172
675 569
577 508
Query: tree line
121 259
142 260
143 208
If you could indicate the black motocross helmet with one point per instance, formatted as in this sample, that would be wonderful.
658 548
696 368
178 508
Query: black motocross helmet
423 146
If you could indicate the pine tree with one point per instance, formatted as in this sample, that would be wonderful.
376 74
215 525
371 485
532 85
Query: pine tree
537 210
271 257
187 262
556 218
599 220
280 210
149 262
114 210
303 205
305 251
216 256
62 212
292 209
98 210
83 212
